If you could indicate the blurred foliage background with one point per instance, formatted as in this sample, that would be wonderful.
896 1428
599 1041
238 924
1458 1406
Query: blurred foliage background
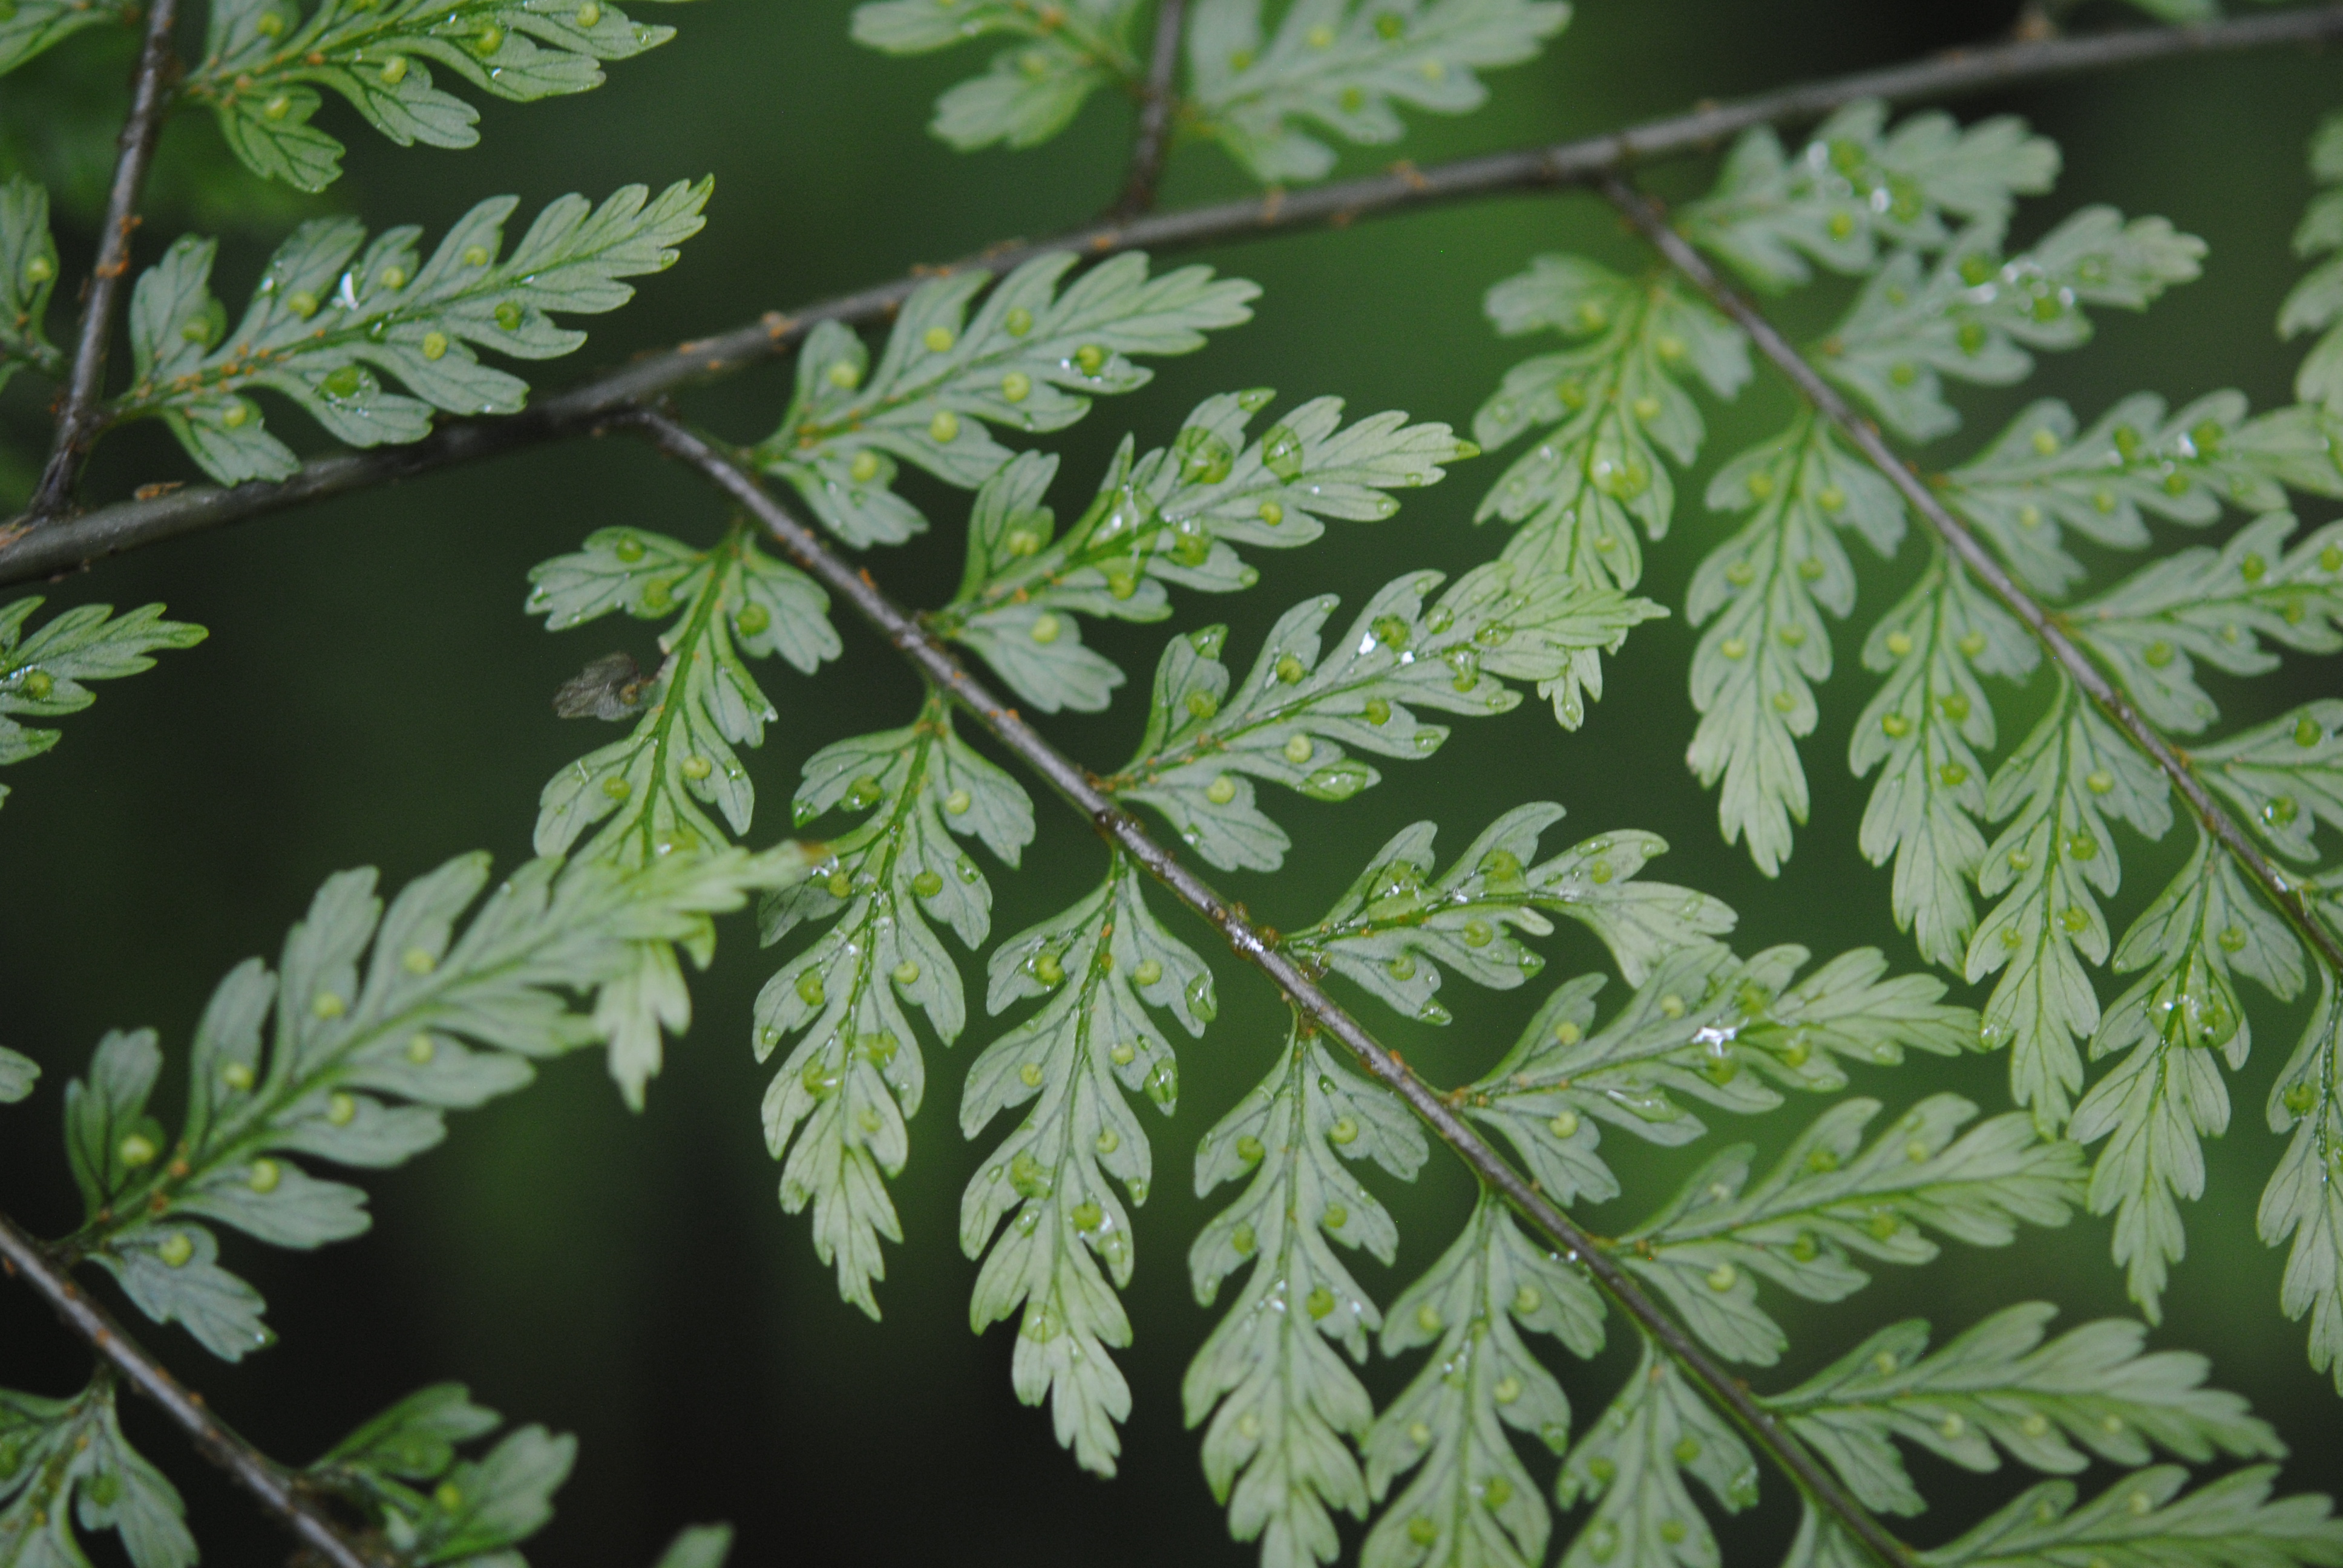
372 695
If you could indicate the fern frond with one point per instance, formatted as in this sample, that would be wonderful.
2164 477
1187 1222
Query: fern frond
263 63
2216 605
366 1005
33 25
1615 405
67 1462
1632 1464
2316 303
2285 777
1173 517
28 275
1974 315
1031 359
2040 478
1396 927
2304 1200
1472 1504
1762 595
1287 721
1033 89
1830 1199
2061 793
1701 1018
1855 188
1103 965
836 1111
2144 1518
327 320
1925 731
43 675
701 703
476 1509
1279 1399
1341 65
2091 1394
2168 1093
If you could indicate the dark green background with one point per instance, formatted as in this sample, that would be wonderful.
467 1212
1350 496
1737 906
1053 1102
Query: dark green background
371 695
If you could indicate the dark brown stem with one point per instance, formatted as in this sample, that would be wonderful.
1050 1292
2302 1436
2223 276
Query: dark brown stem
2290 900
1080 789
66 545
1155 107
268 1482
82 416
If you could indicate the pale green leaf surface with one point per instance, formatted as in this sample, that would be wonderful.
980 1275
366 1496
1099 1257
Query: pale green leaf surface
333 315
2304 1200
1282 1408
1632 1465
835 1113
18 1074
28 273
1761 596
1030 359
1855 188
2316 303
1924 731
2285 777
2093 1392
2168 1093
1045 1203
31 25
1032 90
478 1510
74 1468
1975 315
1831 1200
2145 1520
264 64
46 674
698 1546
1341 66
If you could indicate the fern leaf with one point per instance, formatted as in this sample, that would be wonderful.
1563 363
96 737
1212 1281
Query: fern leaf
2168 1093
45 675
1924 731
473 1507
2144 1518
33 25
1472 1503
1856 188
2216 605
370 1007
18 1074
2316 303
1173 517
1974 315
2061 792
2040 478
2285 777
836 1111
1030 359
1705 1026
1830 1199
264 64
1032 90
1632 1464
71 1464
1615 404
2304 1200
1762 595
1045 1203
1341 65
1278 1398
28 273
2091 1394
1207 736
334 314
655 786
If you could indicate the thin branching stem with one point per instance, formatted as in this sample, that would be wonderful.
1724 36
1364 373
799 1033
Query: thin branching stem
1079 788
1156 103
2288 897
82 415
270 1484
72 543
